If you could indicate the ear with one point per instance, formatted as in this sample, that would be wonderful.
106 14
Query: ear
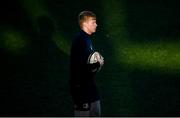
84 23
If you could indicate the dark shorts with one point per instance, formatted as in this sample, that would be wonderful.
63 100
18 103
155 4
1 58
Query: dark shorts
88 109
82 106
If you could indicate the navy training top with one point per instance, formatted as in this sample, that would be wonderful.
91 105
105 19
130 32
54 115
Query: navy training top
82 80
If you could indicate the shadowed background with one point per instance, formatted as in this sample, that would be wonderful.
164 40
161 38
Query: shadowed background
138 39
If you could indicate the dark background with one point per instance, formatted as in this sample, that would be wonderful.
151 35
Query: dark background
138 39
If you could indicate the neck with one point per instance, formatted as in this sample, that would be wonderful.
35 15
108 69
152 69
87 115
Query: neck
86 30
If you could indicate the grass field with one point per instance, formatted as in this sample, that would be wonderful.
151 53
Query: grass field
138 39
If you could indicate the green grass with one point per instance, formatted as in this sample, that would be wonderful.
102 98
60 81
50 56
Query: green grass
14 41
154 56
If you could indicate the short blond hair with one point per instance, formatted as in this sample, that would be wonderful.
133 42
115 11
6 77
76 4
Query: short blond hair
84 15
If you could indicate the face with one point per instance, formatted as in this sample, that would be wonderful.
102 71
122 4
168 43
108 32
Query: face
90 25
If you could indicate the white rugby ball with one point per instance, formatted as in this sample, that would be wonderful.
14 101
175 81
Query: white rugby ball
93 58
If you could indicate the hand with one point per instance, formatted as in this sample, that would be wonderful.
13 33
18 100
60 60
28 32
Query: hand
100 59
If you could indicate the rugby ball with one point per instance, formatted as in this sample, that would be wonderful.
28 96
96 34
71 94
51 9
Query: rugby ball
93 58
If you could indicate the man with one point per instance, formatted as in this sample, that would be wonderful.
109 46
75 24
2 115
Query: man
82 75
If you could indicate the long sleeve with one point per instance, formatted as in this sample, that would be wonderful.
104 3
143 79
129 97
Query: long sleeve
94 66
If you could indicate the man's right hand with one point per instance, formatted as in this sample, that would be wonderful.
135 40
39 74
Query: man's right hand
100 59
